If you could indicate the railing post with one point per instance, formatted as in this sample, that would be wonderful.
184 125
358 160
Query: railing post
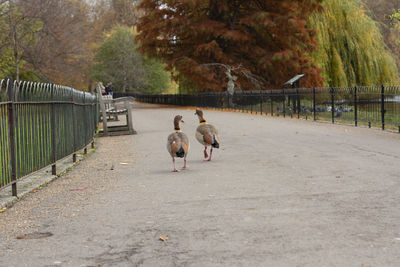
272 104
314 110
355 107
53 134
298 102
11 131
251 102
284 103
383 111
261 103
332 104
74 126
85 120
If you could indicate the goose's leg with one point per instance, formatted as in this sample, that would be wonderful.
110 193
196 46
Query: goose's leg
211 150
205 152
184 165
173 161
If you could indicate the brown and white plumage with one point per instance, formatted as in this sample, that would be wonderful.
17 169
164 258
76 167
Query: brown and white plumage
206 134
178 143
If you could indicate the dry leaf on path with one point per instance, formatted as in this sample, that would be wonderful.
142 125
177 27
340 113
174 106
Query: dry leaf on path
78 189
164 238
3 210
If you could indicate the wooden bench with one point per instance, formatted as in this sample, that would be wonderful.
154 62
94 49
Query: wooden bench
110 109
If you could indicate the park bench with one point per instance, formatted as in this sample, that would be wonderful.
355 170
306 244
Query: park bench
110 109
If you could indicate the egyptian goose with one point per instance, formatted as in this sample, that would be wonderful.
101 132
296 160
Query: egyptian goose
206 134
178 143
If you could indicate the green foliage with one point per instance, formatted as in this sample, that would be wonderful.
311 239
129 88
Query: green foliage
6 62
117 60
186 86
351 49
158 79
395 15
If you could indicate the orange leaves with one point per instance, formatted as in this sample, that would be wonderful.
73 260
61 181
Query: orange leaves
268 37
210 50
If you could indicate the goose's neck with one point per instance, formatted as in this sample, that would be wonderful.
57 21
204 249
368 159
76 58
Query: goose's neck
202 120
177 128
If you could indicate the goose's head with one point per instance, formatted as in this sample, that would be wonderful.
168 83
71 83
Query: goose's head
177 120
199 114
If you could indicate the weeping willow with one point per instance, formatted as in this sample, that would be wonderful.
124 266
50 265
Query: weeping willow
351 49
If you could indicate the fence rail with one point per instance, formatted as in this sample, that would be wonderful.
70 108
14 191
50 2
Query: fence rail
41 123
373 106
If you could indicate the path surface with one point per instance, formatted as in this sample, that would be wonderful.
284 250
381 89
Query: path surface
279 192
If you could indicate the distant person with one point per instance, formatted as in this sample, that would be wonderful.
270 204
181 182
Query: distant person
100 88
110 89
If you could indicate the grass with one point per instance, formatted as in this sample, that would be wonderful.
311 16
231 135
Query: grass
368 113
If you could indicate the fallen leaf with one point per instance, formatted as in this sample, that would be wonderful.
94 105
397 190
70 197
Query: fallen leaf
78 189
337 176
3 210
124 163
36 235
164 238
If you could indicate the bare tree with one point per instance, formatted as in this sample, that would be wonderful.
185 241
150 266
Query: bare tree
21 30
240 70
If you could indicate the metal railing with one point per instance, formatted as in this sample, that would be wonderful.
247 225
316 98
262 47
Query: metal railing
41 123
372 106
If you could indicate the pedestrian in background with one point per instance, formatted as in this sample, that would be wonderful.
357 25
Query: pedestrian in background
110 89
100 87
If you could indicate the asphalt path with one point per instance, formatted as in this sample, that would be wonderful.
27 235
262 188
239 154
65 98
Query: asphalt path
278 192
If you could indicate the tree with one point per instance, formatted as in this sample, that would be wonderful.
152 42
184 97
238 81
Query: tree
395 17
125 12
351 49
380 11
269 38
62 53
159 80
19 28
47 40
117 60
107 13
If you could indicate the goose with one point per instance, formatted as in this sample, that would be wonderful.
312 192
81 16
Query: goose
206 134
178 143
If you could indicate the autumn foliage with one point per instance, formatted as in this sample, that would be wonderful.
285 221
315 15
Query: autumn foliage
268 38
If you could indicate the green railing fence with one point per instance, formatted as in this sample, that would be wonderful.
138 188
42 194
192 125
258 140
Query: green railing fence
41 123
372 106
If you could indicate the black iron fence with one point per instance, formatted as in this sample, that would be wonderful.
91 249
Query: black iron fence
41 123
373 106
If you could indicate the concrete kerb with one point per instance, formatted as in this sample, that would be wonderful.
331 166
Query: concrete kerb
41 178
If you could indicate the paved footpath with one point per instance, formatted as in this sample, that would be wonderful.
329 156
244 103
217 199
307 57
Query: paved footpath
279 192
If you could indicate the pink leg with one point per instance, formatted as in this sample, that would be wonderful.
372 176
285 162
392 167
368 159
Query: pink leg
173 161
184 165
205 152
211 150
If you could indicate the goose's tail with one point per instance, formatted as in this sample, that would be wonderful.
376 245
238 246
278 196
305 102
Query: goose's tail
180 153
215 144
